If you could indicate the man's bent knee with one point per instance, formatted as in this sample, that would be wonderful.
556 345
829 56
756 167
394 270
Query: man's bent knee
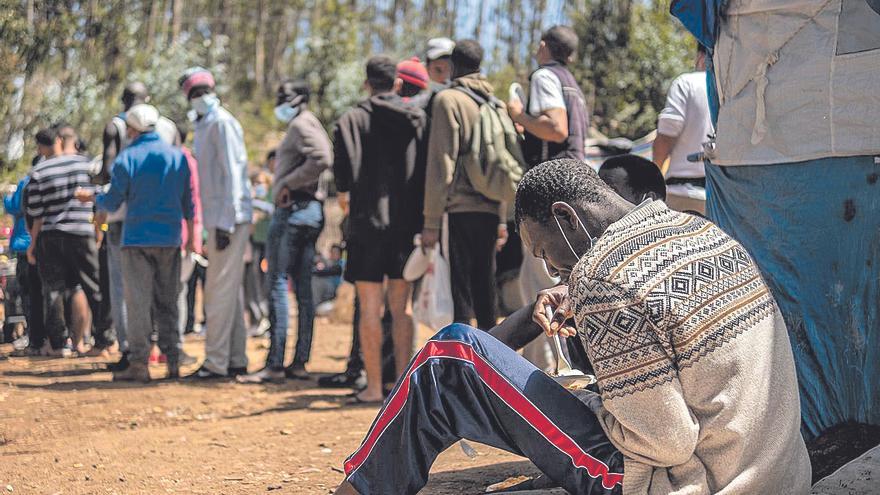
459 332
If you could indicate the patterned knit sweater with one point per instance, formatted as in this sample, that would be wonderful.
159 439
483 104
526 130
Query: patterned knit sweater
697 380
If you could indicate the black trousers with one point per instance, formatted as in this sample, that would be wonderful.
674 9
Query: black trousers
466 384
66 261
472 238
31 290
198 274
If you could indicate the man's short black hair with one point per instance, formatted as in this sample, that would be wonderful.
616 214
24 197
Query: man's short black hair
701 50
292 88
562 42
467 57
642 175
46 136
381 72
571 181
271 154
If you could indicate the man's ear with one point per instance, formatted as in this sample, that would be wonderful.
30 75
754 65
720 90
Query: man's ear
565 214
398 83
652 195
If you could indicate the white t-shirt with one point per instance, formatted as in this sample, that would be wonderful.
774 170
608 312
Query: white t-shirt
545 92
687 117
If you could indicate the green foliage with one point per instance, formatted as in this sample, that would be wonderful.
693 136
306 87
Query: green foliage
630 52
69 59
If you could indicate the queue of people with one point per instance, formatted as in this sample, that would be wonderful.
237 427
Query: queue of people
251 237
670 310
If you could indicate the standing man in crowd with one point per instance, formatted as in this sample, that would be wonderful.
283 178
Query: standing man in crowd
77 304
301 158
474 220
684 125
115 139
555 121
375 148
63 243
152 178
218 146
26 274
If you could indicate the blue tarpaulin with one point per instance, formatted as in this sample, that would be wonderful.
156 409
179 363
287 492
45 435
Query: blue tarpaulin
814 230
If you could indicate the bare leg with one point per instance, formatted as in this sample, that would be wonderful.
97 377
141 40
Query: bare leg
81 320
401 323
370 330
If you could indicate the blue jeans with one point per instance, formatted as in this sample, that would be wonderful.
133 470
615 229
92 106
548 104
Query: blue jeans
290 252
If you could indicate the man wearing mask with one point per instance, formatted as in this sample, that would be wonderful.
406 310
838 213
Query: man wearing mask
218 146
301 158
696 388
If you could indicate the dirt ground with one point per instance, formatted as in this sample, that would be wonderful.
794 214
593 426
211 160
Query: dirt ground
65 428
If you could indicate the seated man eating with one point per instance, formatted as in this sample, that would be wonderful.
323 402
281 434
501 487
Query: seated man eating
697 388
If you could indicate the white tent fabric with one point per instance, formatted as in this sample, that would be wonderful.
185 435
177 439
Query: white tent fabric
775 59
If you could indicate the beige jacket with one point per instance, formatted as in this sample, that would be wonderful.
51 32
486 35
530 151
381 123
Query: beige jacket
447 189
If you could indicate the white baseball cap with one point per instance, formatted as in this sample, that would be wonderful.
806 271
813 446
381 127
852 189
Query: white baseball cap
439 47
142 117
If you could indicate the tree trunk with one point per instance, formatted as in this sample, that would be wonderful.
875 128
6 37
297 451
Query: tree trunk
176 21
260 48
153 17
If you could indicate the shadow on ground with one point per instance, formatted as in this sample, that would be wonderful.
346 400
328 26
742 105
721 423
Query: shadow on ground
472 481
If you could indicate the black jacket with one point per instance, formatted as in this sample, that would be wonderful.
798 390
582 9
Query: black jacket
375 148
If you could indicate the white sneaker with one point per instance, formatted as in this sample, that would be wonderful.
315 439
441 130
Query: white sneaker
21 342
265 375
260 329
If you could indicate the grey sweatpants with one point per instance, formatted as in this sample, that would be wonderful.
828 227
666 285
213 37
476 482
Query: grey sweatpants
225 335
151 282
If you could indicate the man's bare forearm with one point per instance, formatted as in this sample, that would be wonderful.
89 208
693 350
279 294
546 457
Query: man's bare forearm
518 329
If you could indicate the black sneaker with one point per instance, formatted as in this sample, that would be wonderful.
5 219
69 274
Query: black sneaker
343 380
236 371
206 374
120 365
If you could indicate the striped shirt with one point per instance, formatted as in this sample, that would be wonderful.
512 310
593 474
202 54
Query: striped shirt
50 195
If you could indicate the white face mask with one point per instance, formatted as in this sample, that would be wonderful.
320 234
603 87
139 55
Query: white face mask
287 111
580 225
205 104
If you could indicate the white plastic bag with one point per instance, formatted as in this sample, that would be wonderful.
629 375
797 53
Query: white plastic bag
433 306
